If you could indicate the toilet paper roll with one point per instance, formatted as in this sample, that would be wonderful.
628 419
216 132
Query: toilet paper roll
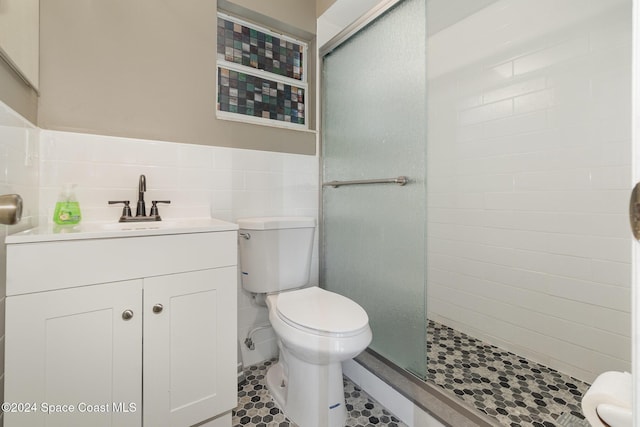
611 389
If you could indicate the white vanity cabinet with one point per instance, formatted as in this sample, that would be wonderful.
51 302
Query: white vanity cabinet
71 346
189 363
128 330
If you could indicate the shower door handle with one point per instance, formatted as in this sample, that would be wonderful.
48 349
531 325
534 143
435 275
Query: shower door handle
634 211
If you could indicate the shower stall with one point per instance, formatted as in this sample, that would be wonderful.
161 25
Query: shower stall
511 121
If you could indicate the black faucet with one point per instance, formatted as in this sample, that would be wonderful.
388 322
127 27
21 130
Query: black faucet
141 210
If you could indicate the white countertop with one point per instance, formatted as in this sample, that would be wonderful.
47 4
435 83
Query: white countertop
108 230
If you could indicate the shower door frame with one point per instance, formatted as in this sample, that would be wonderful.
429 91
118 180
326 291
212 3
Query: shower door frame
336 41
351 30
424 394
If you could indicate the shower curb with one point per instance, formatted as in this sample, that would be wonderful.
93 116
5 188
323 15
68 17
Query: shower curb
447 409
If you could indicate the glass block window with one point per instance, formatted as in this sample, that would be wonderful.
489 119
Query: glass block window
254 96
261 75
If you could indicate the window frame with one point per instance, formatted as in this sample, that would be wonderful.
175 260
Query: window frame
266 75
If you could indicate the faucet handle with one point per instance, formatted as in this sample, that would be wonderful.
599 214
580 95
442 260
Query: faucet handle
126 211
154 207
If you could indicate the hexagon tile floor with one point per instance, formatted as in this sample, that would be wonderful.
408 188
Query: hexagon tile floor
503 385
257 409
512 390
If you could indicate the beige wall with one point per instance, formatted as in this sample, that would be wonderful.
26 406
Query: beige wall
300 12
147 69
322 5
17 94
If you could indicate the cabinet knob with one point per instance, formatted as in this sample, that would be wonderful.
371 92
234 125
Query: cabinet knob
157 308
127 314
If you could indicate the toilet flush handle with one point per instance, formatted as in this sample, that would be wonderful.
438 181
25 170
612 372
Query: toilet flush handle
244 235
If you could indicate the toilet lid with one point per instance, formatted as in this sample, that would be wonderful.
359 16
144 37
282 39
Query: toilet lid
317 309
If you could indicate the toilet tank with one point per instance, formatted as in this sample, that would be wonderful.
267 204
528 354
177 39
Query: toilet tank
275 252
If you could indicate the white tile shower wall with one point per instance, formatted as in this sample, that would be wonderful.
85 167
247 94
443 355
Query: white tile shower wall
221 182
528 174
18 174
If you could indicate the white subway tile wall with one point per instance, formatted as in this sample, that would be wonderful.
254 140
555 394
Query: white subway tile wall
200 181
529 167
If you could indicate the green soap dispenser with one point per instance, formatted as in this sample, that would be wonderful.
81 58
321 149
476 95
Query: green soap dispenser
67 207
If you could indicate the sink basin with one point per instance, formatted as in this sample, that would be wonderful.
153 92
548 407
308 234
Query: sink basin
106 230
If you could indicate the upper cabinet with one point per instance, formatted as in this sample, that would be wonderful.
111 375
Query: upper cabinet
19 37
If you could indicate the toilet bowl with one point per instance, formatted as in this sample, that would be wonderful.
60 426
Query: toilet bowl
316 329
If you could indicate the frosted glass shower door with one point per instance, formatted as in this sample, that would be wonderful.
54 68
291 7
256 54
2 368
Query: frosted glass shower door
373 126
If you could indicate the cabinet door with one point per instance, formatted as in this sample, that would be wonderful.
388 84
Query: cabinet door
72 347
189 347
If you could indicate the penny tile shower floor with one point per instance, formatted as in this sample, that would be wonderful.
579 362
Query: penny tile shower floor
506 387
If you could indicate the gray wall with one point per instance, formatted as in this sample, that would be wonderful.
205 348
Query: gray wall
147 69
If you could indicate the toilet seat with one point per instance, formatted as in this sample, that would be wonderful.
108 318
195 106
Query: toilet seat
321 312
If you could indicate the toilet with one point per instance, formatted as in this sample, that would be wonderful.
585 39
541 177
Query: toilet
316 329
